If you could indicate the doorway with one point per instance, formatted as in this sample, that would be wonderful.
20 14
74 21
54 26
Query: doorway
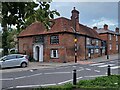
38 53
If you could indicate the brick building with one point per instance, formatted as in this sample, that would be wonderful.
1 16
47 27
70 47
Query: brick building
57 44
112 39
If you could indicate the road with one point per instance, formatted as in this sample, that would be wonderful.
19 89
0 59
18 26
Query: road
56 76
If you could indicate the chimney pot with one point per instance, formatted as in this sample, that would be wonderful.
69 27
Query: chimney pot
95 28
117 30
105 27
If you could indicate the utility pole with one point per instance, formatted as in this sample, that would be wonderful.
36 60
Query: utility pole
75 40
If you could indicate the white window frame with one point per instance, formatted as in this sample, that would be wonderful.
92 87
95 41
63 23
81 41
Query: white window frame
116 46
97 42
110 37
103 50
116 38
92 51
110 46
54 53
87 41
96 50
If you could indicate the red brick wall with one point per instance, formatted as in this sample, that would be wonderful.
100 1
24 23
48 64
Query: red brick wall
112 42
66 48
27 41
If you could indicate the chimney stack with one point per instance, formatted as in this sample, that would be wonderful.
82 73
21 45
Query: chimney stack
75 17
117 30
105 27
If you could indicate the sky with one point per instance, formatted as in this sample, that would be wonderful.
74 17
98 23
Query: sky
91 13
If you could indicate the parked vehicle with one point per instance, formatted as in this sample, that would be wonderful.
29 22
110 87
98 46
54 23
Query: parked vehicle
14 60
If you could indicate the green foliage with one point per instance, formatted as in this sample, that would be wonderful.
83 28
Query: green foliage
67 86
23 14
101 82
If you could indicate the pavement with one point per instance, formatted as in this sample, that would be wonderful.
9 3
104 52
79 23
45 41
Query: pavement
38 65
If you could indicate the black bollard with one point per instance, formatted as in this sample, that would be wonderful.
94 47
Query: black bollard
107 56
74 77
109 72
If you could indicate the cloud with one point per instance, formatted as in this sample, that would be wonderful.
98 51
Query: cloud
100 22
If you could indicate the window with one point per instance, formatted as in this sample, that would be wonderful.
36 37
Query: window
54 53
103 50
96 50
117 47
54 39
88 41
19 56
116 38
110 37
9 57
110 46
92 51
97 42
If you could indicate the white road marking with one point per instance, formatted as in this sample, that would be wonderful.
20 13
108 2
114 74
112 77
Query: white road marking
80 70
68 81
21 77
88 69
95 76
65 81
115 67
5 79
29 76
96 70
35 85
96 64
66 67
80 67
74 66
106 65
58 73
35 75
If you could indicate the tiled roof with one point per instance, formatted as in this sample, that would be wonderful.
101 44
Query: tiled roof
60 25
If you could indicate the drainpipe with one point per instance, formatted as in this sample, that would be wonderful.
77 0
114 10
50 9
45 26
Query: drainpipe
85 48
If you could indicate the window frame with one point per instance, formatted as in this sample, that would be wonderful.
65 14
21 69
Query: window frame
110 46
110 37
88 41
116 38
52 53
56 40
116 46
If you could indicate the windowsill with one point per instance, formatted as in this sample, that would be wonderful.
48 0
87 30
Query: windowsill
54 58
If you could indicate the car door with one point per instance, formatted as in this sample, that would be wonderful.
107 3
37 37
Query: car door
9 61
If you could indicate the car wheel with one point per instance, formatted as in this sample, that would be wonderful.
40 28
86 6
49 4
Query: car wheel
23 65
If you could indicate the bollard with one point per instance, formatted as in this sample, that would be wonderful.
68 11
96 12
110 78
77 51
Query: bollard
107 56
109 72
74 77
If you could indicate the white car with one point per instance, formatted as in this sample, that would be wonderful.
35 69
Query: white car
14 60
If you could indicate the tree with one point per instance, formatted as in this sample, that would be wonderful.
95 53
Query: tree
23 14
